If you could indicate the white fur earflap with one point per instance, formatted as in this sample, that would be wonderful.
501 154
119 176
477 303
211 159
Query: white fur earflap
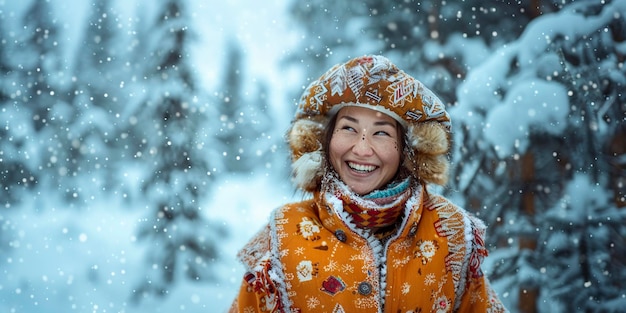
308 169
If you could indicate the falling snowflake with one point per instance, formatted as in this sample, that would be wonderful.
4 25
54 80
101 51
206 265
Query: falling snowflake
299 251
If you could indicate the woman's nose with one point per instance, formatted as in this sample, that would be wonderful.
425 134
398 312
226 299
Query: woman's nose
362 147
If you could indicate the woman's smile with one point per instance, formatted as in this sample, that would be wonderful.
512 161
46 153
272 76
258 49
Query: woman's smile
362 168
364 148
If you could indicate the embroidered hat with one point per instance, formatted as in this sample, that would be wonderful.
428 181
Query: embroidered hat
372 82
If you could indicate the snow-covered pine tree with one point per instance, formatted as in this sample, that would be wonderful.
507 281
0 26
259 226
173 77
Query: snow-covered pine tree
97 100
333 31
441 42
17 167
435 41
39 92
538 124
6 45
181 240
243 117
17 176
590 211
264 151
230 98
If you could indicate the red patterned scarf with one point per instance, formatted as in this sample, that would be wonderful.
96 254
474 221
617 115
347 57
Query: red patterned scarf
378 209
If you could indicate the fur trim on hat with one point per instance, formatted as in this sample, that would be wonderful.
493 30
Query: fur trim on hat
372 82
304 136
308 170
430 143
306 150
431 168
428 138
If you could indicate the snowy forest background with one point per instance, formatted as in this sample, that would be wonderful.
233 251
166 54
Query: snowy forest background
141 142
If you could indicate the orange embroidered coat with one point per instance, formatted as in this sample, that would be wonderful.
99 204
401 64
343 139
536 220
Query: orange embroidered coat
310 258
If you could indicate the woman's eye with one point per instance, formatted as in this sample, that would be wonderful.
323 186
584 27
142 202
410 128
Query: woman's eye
348 128
382 133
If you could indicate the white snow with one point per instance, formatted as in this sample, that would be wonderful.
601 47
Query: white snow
536 104
88 259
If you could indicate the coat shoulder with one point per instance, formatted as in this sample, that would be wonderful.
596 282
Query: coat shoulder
259 247
305 207
465 234
256 249
445 209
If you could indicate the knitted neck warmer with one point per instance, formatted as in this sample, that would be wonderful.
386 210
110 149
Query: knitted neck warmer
378 209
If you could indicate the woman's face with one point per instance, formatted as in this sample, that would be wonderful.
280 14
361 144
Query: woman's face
364 148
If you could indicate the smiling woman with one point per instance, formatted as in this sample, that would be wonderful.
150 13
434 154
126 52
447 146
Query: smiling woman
363 149
366 140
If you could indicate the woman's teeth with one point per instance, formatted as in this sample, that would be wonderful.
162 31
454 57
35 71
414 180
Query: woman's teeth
361 167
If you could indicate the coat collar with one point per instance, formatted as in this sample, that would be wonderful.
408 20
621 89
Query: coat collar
334 217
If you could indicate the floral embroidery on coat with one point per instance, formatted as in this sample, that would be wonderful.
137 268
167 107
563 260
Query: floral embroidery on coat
297 265
309 229
425 250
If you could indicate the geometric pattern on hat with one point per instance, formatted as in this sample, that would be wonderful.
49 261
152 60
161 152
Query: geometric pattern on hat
372 82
